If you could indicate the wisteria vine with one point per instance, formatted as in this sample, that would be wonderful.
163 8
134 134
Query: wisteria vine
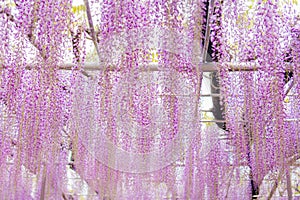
129 126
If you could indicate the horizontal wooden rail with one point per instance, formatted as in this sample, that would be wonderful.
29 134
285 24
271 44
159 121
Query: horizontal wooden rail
205 67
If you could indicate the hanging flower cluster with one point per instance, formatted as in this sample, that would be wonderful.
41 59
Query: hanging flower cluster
32 96
131 130
254 43
124 127
141 112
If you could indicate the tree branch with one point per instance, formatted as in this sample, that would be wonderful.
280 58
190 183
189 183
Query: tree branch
91 25
290 162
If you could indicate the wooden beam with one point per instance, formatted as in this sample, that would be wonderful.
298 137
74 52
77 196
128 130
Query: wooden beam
289 183
207 29
204 67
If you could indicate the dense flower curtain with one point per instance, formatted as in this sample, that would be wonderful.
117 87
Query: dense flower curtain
32 100
129 125
141 114
132 130
258 49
